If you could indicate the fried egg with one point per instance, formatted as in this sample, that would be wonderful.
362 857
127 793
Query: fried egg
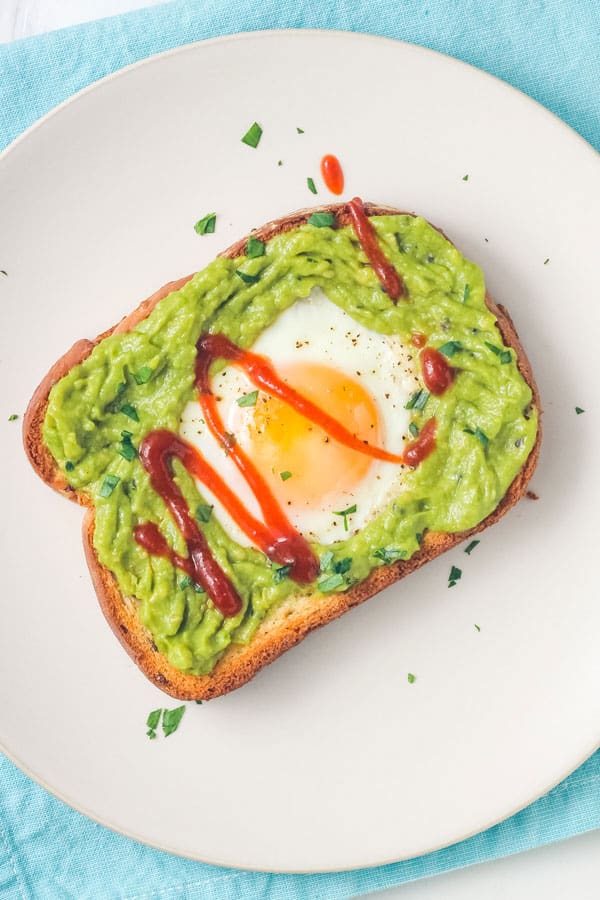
360 377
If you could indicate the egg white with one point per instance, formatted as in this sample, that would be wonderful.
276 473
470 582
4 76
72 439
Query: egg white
315 330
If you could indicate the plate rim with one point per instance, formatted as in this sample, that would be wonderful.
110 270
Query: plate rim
232 38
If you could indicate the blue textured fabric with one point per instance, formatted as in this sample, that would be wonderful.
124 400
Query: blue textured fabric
547 49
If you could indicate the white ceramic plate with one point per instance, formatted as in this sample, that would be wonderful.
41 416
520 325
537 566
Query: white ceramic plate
329 759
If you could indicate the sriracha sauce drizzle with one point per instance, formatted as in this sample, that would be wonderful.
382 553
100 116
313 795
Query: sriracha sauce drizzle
438 374
385 271
332 173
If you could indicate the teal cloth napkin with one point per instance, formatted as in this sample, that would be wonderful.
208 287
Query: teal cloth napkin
547 49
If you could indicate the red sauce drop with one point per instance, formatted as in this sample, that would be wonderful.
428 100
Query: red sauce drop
420 449
418 339
438 374
385 271
332 173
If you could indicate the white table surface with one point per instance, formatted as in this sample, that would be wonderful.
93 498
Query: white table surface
569 869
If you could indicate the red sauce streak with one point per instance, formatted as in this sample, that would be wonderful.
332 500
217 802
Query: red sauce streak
263 375
385 271
149 537
438 374
420 449
418 339
332 173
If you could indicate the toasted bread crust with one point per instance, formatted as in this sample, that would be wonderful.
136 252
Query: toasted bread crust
289 623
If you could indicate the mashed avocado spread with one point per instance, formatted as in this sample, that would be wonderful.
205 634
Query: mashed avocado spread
142 380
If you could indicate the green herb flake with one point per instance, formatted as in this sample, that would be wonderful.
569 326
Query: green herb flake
203 512
151 734
279 162
413 430
285 475
469 549
255 248
69 466
454 576
479 434
199 702
343 565
326 561
171 719
477 627
493 348
253 135
300 130
330 583
13 417
198 589
143 375
466 293
411 678
153 719
248 399
206 225
280 573
345 513
505 357
247 279
390 555
130 411
321 220
465 178
108 485
450 348
186 582
311 185
127 450
547 260
579 410
421 401
420 536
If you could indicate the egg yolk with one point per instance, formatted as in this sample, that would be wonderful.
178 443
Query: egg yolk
298 458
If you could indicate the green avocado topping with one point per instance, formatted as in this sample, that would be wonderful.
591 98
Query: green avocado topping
486 427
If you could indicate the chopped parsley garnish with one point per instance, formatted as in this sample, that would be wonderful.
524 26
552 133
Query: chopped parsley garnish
254 248
546 261
450 348
206 225
153 719
151 734
390 555
285 475
186 582
413 430
454 576
345 513
342 565
579 410
419 536
504 355
411 678
69 466
253 135
108 485
311 185
203 512
330 583
418 400
130 411
469 549
248 399
171 719
321 220
326 561
199 702
479 434
280 573
247 279
13 417
477 627
127 450
467 293
300 130
465 177
143 375
279 162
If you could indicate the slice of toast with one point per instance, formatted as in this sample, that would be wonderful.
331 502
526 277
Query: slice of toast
290 622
